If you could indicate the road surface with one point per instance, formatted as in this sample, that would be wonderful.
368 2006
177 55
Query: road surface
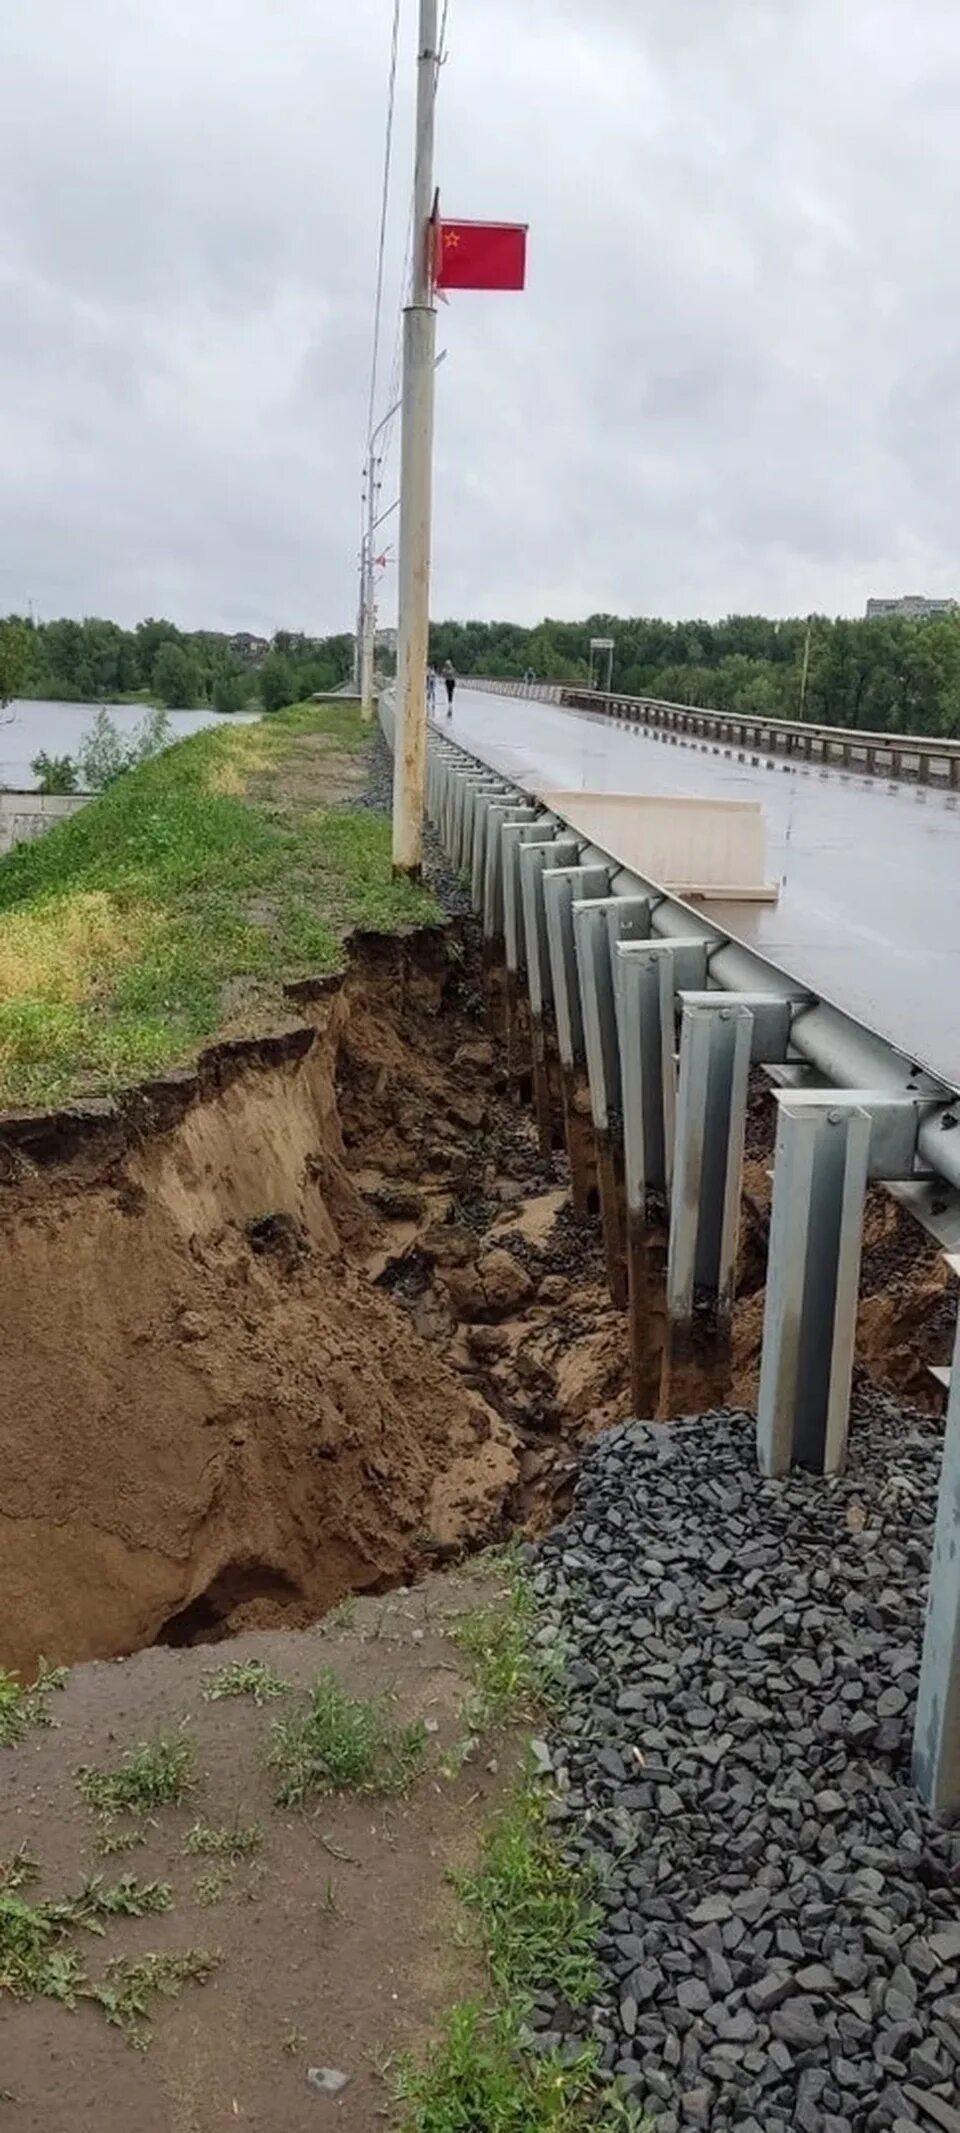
869 908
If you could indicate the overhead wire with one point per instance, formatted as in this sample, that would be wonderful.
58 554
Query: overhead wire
384 207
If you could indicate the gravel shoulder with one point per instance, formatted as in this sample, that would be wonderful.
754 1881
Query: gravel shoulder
781 1933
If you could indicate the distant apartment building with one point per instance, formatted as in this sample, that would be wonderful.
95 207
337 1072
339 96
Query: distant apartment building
914 607
246 646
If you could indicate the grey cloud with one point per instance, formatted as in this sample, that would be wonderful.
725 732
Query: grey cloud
732 381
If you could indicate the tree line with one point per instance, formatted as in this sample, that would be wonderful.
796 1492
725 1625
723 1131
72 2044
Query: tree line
887 676
95 661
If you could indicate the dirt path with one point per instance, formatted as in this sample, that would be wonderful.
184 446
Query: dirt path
336 1941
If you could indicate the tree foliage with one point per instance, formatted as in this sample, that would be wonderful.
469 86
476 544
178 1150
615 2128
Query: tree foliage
54 773
16 650
890 675
95 661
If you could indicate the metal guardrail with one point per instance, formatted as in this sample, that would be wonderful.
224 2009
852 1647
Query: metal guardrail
656 1015
893 755
838 1048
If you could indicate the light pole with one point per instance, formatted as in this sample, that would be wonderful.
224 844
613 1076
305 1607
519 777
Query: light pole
368 613
805 669
368 605
419 343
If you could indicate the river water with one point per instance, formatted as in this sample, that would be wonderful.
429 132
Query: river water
28 727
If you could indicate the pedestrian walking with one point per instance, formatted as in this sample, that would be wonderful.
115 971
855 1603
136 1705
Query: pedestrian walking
449 683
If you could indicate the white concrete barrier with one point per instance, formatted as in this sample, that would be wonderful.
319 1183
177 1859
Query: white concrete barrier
24 815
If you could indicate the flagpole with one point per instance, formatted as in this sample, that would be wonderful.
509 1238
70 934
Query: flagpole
419 345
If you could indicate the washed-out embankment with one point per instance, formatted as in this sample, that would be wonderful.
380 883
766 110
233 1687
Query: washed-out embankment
314 1315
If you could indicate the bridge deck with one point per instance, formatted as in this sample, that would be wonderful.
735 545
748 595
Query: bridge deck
869 910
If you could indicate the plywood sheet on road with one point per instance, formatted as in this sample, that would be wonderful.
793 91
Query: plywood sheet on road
679 842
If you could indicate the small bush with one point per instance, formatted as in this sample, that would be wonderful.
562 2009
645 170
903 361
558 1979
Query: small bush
157 1773
24 1706
338 1743
244 1677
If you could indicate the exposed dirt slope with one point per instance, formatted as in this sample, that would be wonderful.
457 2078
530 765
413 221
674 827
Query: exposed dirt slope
318 1314
209 1413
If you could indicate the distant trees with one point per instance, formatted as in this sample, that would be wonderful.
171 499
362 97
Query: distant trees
890 675
176 677
97 661
278 681
16 658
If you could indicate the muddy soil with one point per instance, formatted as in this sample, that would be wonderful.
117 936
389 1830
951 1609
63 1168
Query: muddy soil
337 1942
318 1315
227 1398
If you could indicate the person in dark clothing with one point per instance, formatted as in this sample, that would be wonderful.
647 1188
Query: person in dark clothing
449 682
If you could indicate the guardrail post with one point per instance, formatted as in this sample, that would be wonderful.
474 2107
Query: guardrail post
561 887
499 812
478 792
936 1739
513 836
462 845
597 927
648 973
829 1142
534 858
813 1271
715 1046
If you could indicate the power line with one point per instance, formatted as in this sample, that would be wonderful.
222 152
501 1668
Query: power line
384 204
408 258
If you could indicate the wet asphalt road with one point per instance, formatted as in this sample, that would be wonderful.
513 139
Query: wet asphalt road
869 907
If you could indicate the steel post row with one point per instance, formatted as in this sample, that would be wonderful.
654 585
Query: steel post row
601 971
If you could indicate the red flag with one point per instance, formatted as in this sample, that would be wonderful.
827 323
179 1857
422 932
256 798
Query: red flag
480 255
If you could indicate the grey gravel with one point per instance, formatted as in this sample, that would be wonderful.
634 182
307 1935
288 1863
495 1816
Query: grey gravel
779 1945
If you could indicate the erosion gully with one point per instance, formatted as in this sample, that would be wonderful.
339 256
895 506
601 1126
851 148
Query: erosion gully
317 1316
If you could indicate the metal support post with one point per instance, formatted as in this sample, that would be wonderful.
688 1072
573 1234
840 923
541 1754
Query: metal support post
705 1201
453 762
648 974
596 925
513 836
561 887
483 799
498 812
416 475
534 859
829 1142
936 1740
472 782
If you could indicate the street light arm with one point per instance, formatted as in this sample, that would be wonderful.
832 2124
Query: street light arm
395 409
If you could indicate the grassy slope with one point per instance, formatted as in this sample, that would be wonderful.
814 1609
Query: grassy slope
190 890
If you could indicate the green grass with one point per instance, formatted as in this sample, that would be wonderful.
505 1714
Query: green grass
25 1705
40 1958
127 1992
156 1773
225 1840
536 1919
245 1677
532 1919
511 1676
127 930
336 1742
478 2077
535 1924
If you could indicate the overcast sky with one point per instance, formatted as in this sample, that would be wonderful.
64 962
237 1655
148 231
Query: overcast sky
733 382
